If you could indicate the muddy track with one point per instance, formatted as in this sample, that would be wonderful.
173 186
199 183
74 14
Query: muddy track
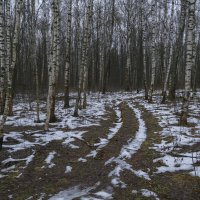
37 177
92 171
175 186
141 160
95 168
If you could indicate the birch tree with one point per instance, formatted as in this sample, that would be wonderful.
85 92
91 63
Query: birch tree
8 110
34 57
53 64
128 61
83 69
102 46
87 43
68 52
189 59
2 59
10 64
178 46
153 49
164 42
144 43
169 63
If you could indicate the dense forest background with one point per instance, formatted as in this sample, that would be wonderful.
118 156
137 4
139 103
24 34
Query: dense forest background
99 99
116 20
51 46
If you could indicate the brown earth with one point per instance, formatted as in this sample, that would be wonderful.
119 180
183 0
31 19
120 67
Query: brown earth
36 179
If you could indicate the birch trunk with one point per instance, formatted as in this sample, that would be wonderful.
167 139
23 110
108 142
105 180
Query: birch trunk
68 51
170 54
79 67
83 67
2 59
8 110
53 65
85 64
34 61
194 67
2 71
153 73
102 52
165 27
189 60
77 44
10 64
178 49
144 42
128 61
57 25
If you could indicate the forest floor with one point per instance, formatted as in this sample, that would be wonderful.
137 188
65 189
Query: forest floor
120 147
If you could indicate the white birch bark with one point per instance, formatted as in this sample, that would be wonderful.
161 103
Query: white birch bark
78 40
53 64
2 59
58 21
83 67
34 57
165 27
68 51
11 64
128 61
178 47
153 48
170 54
189 59
87 39
79 54
102 52
8 110
194 67
144 43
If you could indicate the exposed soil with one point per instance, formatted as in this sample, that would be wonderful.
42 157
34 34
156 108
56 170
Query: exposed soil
37 178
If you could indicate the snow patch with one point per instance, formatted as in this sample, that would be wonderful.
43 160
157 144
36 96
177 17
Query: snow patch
112 132
148 193
49 159
74 192
68 169
128 151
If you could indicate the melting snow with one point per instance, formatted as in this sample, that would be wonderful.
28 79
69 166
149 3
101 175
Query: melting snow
73 192
148 193
127 152
181 136
68 169
112 132
49 159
